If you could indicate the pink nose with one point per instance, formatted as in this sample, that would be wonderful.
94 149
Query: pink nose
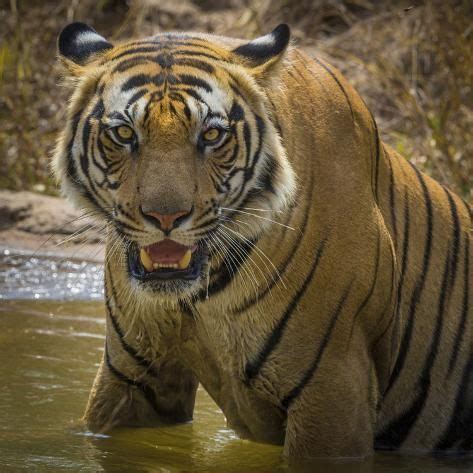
167 221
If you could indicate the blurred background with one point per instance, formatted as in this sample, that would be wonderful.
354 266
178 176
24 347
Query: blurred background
411 62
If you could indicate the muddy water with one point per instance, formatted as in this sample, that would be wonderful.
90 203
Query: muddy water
49 352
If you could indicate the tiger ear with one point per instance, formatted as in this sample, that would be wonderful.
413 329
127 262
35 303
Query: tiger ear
262 53
78 43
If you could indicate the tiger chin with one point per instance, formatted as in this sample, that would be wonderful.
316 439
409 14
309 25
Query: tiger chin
264 242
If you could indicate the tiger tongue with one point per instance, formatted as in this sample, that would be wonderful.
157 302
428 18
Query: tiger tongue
166 252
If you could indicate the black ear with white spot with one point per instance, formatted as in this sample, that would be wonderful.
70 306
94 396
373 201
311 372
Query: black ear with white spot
265 49
78 42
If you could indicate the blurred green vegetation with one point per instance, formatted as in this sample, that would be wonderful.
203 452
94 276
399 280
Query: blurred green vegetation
411 61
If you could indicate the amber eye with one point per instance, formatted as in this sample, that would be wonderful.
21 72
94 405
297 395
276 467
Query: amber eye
212 134
124 133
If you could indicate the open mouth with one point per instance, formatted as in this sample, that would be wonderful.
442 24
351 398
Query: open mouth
165 260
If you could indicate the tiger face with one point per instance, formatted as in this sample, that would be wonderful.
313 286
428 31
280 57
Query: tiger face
169 139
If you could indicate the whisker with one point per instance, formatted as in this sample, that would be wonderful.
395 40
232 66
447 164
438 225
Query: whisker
237 245
259 216
87 214
258 210
79 233
259 251
238 267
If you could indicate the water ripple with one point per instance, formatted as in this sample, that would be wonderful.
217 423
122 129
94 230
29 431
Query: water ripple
23 276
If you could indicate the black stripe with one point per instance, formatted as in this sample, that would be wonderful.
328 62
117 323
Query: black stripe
260 128
137 50
247 138
172 109
404 260
392 201
419 286
136 81
196 64
464 308
96 113
455 236
396 432
188 79
132 62
254 366
165 415
236 113
194 94
371 289
143 362
137 96
223 276
251 160
376 162
176 96
334 77
190 52
460 429
296 391
266 178
185 307
72 169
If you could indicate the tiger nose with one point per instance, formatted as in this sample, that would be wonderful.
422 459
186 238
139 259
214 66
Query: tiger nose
169 221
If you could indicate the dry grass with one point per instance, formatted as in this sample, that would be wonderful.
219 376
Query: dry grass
415 70
412 64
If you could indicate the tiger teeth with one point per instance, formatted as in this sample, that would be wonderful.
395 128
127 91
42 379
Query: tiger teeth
146 260
150 266
163 265
185 260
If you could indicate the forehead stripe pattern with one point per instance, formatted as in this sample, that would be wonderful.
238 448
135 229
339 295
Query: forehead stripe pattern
156 46
172 60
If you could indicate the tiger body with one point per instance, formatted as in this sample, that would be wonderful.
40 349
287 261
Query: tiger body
343 326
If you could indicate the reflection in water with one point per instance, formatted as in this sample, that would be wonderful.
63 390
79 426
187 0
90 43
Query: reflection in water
50 351
23 276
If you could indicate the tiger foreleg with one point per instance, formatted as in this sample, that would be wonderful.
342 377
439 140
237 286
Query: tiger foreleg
141 380
139 401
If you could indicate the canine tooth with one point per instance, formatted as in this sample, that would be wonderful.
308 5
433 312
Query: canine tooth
146 260
185 260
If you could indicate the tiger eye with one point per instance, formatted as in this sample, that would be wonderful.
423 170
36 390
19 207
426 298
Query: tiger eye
211 134
124 132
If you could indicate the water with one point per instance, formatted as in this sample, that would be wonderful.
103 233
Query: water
50 350
28 276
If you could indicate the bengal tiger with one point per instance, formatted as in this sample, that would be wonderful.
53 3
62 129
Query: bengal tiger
263 241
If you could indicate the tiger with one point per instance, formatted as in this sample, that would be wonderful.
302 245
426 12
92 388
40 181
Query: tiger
264 242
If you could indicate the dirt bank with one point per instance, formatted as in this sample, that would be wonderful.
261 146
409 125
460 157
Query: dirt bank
48 225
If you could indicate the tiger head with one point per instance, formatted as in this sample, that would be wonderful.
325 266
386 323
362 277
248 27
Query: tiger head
170 141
